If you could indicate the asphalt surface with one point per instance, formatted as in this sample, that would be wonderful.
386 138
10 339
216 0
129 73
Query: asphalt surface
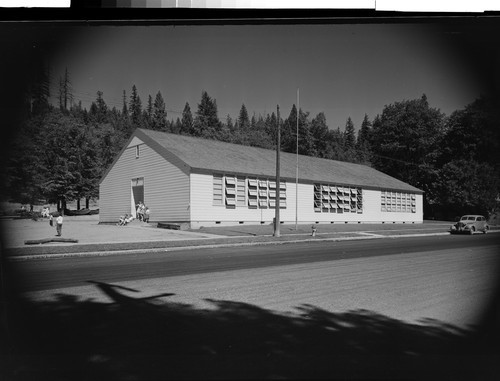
72 271
391 308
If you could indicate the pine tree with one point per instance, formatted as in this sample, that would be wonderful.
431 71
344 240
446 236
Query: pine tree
230 124
289 133
65 91
125 108
206 123
319 132
243 120
271 127
350 136
135 107
159 113
363 142
102 109
187 124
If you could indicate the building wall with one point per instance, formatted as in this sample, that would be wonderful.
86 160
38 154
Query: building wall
166 187
371 211
205 213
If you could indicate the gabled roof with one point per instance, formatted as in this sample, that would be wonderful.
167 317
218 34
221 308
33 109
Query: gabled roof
202 155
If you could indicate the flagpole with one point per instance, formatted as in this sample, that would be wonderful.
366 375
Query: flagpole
278 180
297 166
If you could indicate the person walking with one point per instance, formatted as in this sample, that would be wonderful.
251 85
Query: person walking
59 224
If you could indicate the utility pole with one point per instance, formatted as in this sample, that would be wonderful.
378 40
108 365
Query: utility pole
278 203
297 167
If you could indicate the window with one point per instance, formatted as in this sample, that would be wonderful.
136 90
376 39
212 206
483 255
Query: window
137 152
337 199
230 191
252 193
240 191
217 189
397 202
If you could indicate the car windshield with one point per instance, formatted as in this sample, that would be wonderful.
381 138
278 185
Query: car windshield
468 218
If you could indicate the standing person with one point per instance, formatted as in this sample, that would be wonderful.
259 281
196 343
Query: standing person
140 211
146 214
59 223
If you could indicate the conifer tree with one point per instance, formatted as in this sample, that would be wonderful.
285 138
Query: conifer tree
363 141
319 132
350 136
135 107
65 91
206 123
187 124
125 108
243 120
289 133
101 109
159 113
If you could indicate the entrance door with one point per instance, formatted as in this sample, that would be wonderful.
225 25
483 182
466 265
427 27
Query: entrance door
137 194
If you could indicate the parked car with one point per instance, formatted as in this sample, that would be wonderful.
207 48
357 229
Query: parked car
470 224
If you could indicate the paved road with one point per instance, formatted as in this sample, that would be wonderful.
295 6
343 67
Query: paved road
67 272
268 311
448 278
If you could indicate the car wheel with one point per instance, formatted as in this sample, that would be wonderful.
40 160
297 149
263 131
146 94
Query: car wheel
472 230
486 229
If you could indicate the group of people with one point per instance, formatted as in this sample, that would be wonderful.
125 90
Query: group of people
142 212
59 223
142 215
45 212
124 220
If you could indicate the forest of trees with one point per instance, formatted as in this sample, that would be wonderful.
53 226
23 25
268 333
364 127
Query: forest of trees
59 153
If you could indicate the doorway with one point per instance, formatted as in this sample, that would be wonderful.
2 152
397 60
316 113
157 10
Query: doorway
137 194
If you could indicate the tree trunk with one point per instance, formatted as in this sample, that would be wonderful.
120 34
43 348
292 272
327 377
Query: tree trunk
58 205
87 202
78 204
63 206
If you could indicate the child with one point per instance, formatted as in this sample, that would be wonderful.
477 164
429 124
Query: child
59 224
121 222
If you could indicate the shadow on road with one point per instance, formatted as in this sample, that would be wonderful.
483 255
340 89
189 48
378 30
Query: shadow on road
152 338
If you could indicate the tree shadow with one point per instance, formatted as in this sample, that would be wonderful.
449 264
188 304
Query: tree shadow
134 338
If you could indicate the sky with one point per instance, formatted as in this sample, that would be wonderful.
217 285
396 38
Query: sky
343 70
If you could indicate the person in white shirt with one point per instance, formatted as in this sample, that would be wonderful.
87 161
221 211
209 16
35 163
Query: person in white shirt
59 223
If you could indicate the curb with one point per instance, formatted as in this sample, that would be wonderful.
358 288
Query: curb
20 258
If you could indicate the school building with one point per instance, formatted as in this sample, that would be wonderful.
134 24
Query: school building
198 182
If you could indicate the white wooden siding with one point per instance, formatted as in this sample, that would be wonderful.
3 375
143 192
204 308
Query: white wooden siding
204 213
166 187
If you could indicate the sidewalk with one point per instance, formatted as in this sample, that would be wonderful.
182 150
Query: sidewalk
138 236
